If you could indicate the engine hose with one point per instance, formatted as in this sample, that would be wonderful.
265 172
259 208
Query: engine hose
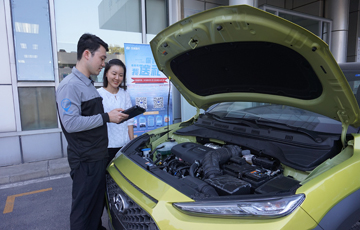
156 149
213 159
180 169
193 168
171 161
158 158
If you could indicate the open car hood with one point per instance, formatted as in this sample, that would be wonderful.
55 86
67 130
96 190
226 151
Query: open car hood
241 53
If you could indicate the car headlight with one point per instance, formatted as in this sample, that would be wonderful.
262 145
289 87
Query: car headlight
273 207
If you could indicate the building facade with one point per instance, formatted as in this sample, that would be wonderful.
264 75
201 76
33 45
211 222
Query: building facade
38 42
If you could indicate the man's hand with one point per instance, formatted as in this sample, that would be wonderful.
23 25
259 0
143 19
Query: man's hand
116 116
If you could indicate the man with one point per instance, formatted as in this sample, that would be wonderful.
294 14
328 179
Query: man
83 122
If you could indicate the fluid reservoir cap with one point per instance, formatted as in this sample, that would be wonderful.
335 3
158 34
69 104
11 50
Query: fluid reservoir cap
146 151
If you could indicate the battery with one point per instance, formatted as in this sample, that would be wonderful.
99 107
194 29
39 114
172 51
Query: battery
238 170
256 177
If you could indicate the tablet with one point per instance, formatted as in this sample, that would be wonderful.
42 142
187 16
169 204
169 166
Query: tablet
133 111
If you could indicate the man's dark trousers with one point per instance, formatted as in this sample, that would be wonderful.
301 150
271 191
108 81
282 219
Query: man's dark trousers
88 193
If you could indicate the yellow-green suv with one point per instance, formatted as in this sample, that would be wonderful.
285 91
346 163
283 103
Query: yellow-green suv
277 147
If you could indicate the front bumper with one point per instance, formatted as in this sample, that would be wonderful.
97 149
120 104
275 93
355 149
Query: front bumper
125 213
149 205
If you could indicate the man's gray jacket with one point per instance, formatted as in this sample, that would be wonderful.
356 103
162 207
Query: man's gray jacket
82 119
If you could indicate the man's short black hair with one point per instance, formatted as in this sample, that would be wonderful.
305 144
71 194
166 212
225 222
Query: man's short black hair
89 42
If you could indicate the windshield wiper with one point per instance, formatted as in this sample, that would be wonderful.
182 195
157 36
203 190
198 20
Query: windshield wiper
254 123
279 125
234 121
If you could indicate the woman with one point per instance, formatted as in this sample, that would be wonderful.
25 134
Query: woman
114 95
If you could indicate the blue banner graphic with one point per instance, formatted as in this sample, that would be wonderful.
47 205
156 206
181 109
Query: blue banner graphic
148 88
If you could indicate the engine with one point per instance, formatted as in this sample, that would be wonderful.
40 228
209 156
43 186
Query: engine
225 170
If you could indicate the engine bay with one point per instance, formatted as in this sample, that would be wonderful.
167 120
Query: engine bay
208 159
210 170
225 170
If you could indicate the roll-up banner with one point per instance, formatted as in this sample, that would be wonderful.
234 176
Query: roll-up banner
148 88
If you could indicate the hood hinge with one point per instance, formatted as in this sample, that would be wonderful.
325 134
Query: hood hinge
345 125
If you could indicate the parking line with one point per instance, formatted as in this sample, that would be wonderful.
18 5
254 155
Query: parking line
9 206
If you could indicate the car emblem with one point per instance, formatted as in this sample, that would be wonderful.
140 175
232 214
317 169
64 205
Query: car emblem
120 203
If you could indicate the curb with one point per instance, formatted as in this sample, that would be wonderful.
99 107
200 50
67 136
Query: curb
33 170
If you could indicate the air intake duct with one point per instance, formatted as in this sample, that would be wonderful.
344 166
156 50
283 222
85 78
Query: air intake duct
214 158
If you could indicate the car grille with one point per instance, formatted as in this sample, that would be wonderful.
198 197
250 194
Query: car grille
126 214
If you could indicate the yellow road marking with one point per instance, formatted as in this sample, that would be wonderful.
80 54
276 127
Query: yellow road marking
9 206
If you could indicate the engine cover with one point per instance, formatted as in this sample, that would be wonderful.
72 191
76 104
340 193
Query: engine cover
190 152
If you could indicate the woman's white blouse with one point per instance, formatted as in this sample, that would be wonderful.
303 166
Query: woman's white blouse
118 133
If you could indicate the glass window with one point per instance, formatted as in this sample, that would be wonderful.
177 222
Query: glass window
32 40
271 11
318 26
326 32
264 113
114 21
37 108
309 24
156 19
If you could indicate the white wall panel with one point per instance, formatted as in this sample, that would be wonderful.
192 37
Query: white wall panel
10 151
41 147
7 115
64 143
5 77
187 110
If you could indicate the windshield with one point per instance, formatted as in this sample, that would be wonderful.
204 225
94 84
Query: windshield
286 115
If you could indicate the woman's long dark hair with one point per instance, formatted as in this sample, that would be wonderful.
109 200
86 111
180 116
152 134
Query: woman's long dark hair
108 65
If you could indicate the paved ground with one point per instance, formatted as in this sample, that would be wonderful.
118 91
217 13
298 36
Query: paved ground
28 173
16 178
16 174
43 204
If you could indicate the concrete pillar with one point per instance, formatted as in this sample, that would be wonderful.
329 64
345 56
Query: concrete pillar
143 22
174 11
338 12
174 8
253 3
